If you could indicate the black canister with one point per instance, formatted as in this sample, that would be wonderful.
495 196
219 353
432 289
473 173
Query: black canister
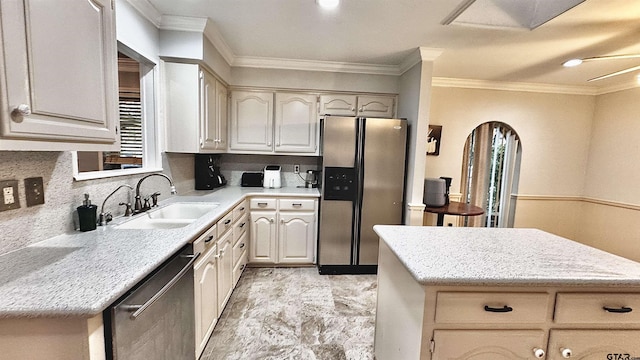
87 215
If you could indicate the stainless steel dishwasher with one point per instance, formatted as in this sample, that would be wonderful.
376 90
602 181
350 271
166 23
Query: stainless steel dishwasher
155 320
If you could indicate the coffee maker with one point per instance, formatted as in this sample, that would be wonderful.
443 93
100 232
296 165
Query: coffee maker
311 179
207 172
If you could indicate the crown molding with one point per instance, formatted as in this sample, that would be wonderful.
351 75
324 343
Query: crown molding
147 10
311 65
514 86
418 55
200 25
618 87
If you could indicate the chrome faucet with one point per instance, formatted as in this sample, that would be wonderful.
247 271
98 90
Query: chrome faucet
138 207
105 217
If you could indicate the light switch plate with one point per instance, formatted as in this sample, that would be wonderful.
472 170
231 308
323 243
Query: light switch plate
10 198
34 191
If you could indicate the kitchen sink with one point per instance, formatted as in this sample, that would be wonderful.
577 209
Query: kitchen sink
182 211
171 216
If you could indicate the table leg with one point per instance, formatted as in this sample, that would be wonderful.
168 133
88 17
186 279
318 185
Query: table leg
440 219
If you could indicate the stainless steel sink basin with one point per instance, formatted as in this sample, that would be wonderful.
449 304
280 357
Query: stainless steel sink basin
171 216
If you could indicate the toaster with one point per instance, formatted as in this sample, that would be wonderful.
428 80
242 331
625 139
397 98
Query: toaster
272 177
251 179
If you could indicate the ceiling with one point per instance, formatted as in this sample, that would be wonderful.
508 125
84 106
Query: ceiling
385 32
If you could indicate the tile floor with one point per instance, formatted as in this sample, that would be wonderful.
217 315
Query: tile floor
294 313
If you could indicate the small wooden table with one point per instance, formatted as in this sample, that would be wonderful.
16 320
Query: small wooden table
454 208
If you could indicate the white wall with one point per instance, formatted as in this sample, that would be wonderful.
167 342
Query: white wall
313 80
414 102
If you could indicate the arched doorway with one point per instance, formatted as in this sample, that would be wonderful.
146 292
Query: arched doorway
490 173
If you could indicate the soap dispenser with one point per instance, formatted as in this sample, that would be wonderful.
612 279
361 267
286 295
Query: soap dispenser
87 215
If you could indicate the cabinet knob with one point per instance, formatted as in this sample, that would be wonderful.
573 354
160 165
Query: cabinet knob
566 353
21 111
539 353
353 108
269 143
271 221
361 109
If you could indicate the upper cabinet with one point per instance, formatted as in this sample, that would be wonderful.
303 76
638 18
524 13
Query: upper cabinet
296 123
58 78
358 105
195 110
251 125
255 126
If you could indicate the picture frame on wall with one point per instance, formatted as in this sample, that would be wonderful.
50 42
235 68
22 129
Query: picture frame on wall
433 140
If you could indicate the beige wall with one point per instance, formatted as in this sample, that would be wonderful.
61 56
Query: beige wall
580 159
554 129
612 175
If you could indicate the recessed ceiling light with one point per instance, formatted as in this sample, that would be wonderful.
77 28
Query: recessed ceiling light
572 63
328 4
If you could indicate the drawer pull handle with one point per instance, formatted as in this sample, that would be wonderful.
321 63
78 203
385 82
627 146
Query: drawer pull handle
209 239
262 204
621 310
227 222
538 353
503 309
242 225
242 208
297 204
241 245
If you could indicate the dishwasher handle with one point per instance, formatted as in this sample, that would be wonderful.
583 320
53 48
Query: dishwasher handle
139 309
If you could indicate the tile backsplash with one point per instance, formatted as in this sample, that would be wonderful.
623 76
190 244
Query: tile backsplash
63 195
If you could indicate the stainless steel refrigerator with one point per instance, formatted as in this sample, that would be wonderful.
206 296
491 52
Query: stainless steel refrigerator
363 169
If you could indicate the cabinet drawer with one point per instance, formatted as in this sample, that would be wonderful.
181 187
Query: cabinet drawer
239 268
225 223
491 308
205 241
262 204
240 227
240 248
597 308
239 210
297 204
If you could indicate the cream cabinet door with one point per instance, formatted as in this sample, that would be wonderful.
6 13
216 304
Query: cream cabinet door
594 344
296 237
205 297
225 269
338 105
488 344
251 121
221 118
296 123
208 111
59 71
263 241
376 106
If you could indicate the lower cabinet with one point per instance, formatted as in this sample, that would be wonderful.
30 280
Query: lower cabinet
218 270
594 344
283 231
488 344
206 297
225 269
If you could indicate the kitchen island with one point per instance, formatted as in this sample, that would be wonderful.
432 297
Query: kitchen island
478 293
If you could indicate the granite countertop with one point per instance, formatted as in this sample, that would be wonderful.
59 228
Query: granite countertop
514 257
82 273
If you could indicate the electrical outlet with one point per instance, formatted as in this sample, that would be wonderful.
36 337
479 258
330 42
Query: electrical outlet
34 191
10 197
296 169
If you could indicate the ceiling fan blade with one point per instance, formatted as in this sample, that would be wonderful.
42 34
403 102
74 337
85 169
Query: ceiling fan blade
611 57
615 73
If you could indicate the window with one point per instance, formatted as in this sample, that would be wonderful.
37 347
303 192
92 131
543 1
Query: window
490 173
137 129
